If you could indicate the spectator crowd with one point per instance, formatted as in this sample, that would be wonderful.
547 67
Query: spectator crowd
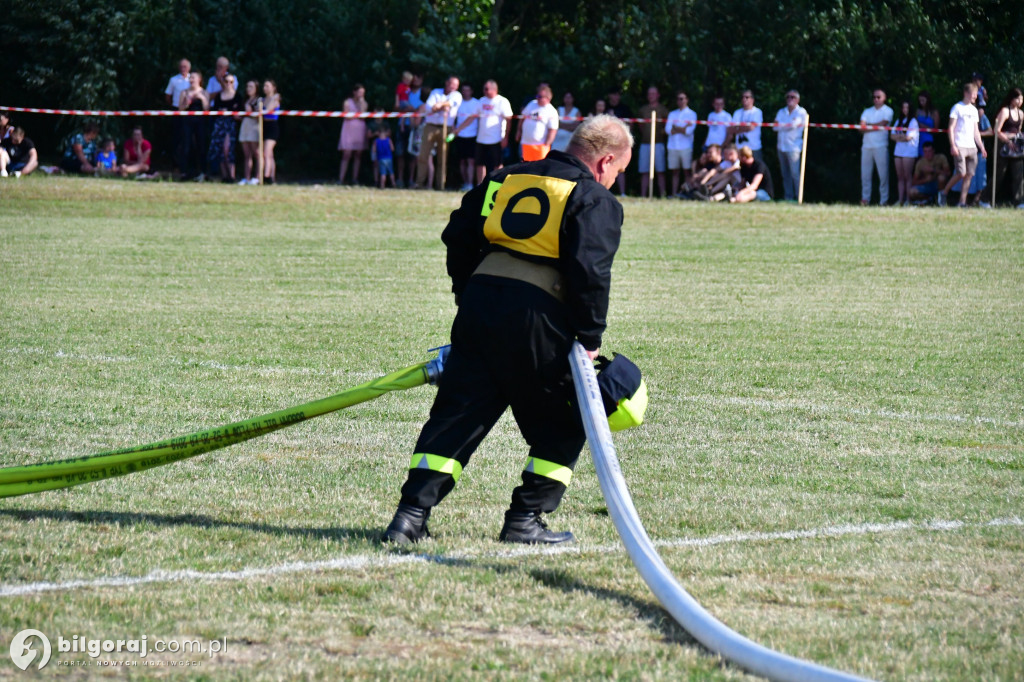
450 127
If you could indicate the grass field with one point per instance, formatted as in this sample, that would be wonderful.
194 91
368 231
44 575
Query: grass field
833 459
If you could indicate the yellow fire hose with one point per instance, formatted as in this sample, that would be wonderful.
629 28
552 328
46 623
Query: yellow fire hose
33 478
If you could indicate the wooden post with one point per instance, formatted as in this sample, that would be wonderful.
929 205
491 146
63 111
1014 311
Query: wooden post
803 160
995 155
444 152
650 170
259 166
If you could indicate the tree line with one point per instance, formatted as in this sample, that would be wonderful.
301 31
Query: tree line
120 54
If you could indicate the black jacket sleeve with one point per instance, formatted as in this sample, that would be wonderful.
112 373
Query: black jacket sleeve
464 238
592 233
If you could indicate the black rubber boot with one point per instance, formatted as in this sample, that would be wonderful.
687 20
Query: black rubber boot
408 526
528 528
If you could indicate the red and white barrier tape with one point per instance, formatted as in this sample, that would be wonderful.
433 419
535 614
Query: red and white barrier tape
393 114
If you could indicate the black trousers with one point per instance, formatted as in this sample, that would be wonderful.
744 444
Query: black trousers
1014 191
510 347
193 146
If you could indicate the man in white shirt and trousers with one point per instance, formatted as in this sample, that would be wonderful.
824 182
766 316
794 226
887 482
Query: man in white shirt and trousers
874 150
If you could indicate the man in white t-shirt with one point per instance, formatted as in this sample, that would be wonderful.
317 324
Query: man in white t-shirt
874 150
441 108
178 84
721 117
492 116
746 128
465 136
789 126
539 126
220 73
680 128
964 143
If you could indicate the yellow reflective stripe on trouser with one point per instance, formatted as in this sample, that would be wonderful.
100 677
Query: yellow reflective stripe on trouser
437 463
542 467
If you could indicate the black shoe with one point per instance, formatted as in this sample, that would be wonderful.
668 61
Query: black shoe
408 526
528 528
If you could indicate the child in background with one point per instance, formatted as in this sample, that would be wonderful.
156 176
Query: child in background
404 104
402 92
385 149
106 160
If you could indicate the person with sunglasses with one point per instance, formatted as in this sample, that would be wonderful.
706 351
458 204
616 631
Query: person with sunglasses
874 149
746 128
221 156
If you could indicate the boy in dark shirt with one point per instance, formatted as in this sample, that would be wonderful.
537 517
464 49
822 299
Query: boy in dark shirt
18 155
756 179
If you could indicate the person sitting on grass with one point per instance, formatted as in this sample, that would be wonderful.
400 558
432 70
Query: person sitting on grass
80 151
704 169
137 153
756 179
726 180
930 173
106 160
18 155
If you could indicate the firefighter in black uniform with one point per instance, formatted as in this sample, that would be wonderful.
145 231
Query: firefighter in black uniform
530 255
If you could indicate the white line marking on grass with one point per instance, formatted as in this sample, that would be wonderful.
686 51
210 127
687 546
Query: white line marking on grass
70 356
205 364
365 561
212 364
783 404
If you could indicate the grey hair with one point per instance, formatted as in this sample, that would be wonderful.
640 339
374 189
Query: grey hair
600 135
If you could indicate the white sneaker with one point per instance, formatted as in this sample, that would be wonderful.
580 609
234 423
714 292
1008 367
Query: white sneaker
243 181
3 173
17 174
1021 206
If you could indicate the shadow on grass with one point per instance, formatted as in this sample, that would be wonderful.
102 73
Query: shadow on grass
649 611
658 618
195 520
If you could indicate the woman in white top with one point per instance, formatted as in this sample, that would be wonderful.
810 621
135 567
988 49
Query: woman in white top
905 151
249 134
567 115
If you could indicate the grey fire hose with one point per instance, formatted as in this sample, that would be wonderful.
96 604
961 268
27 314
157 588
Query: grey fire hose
696 620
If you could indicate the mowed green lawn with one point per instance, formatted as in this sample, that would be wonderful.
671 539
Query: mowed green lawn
833 458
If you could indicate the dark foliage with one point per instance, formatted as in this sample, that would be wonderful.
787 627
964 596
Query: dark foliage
120 53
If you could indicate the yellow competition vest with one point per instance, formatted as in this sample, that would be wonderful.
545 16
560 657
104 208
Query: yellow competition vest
524 213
